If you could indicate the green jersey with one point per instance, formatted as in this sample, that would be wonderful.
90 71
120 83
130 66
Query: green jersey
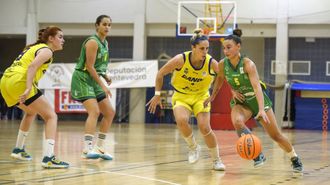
102 56
239 80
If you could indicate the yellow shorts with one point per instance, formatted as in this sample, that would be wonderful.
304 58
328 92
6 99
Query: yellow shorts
194 103
13 86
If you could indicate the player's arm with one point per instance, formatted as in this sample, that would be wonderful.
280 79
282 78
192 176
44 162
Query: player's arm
91 52
174 63
251 69
218 80
217 83
42 56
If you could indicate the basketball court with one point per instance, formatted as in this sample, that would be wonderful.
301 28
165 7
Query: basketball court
156 154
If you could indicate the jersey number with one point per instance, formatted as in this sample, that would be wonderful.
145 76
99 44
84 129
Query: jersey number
236 81
21 54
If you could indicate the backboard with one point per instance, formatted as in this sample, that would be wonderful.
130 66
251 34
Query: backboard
216 18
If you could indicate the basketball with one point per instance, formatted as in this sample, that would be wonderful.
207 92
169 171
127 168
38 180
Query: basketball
248 146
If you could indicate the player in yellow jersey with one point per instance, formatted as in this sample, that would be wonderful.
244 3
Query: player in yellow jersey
193 73
19 87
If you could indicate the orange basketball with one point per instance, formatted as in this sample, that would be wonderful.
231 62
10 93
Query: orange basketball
248 146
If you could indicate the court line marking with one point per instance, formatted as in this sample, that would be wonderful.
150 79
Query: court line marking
124 174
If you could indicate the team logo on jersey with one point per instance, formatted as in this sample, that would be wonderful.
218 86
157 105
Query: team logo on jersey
99 56
185 71
192 79
204 73
241 70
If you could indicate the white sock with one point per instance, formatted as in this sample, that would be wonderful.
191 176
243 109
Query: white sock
21 139
191 141
215 153
49 147
101 139
88 142
292 153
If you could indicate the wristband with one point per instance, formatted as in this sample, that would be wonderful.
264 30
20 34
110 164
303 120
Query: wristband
157 93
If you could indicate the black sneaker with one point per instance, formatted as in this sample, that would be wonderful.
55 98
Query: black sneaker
53 162
259 161
20 154
296 164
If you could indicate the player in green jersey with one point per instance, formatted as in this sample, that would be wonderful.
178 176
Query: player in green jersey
249 99
88 88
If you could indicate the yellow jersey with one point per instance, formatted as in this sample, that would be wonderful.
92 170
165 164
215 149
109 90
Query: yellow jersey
22 62
189 80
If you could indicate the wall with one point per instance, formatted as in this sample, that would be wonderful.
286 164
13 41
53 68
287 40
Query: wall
10 48
76 16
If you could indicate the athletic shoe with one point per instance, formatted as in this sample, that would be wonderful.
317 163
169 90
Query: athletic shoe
53 162
90 154
20 154
218 165
259 161
193 154
103 154
296 164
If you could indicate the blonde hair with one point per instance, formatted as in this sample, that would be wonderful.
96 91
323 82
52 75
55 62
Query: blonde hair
198 36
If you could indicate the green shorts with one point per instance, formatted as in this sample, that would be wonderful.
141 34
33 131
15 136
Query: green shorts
252 103
84 87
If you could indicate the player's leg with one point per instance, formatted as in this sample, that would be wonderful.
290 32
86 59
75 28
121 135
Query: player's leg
275 133
182 112
19 150
203 120
108 114
93 112
239 116
41 106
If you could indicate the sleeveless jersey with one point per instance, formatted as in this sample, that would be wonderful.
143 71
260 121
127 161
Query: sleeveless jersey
102 56
237 78
22 62
189 80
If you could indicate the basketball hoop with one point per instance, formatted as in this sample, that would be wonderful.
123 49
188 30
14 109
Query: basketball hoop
208 31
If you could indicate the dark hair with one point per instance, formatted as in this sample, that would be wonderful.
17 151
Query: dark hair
44 34
198 36
99 19
236 36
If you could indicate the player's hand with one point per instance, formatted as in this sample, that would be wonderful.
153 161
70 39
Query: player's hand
108 80
207 101
24 96
153 104
262 115
238 96
107 91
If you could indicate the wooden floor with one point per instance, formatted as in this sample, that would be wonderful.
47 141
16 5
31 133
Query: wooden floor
156 154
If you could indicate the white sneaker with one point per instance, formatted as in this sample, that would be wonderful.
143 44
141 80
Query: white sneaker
103 154
218 165
193 154
90 154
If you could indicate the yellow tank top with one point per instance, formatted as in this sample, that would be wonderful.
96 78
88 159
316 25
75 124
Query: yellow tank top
189 80
22 62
